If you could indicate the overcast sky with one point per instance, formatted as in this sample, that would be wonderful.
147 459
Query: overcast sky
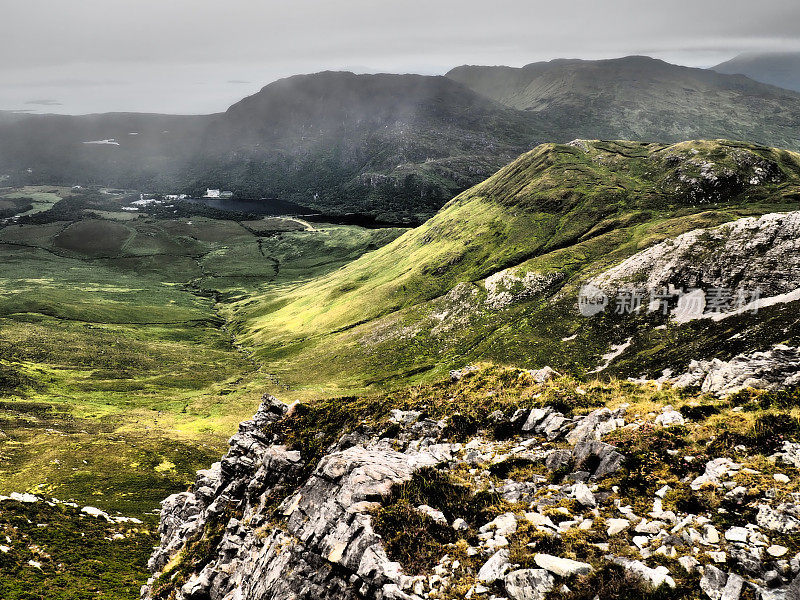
198 56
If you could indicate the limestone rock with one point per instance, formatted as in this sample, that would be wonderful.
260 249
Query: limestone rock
713 582
655 577
528 584
494 568
583 494
783 519
563 567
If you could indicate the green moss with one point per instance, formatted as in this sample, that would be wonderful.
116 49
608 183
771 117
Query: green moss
79 557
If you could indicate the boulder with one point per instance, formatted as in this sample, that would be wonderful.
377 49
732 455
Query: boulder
599 458
669 417
783 519
654 577
528 584
583 495
586 429
494 568
563 567
713 582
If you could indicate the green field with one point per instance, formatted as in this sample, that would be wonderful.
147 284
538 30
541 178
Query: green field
119 377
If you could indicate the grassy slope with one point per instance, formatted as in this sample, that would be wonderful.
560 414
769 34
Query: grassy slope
557 208
118 378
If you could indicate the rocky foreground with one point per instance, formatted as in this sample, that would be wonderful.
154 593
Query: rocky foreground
500 484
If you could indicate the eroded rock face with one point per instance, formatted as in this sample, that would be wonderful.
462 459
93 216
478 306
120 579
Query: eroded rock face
747 254
326 547
773 369
262 524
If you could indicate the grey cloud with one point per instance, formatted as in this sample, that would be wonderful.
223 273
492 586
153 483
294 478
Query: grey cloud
153 48
45 102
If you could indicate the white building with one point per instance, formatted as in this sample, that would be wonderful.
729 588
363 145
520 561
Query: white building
211 193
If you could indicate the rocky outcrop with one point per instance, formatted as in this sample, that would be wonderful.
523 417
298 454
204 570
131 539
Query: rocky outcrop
271 527
325 546
269 522
770 370
740 257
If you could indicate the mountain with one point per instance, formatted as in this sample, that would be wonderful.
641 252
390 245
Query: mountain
397 147
496 275
403 144
781 69
640 98
400 145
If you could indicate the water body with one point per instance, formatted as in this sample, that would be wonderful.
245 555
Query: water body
271 207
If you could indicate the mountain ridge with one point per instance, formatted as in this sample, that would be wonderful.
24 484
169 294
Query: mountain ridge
776 68
396 147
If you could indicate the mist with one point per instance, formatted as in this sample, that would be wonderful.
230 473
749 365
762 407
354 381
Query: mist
200 56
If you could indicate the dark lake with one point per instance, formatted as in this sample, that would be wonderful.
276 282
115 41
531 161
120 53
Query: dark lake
265 206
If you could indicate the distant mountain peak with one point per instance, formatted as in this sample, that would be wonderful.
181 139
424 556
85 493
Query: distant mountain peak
781 69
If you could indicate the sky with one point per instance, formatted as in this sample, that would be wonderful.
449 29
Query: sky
200 56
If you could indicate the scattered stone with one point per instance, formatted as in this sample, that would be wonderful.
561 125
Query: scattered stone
457 374
737 534
24 498
587 427
669 417
783 519
460 525
790 453
563 567
615 526
776 551
715 470
544 374
405 417
661 492
540 520
640 541
718 557
689 563
433 513
504 525
583 494
604 456
95 512
710 535
655 577
528 584
733 587
781 478
713 582
494 568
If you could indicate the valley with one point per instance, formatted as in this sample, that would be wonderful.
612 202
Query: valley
133 343
120 378
137 335
399 300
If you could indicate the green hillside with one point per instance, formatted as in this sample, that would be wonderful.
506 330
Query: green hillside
423 304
